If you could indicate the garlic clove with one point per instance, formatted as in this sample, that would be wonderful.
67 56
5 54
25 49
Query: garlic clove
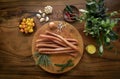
43 15
47 19
40 11
38 15
42 19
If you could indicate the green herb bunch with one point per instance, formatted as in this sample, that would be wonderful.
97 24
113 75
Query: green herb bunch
99 23
42 59
69 63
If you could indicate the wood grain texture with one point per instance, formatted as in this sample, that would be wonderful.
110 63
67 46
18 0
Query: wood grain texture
16 61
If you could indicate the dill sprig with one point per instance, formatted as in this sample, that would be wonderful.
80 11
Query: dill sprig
69 63
42 59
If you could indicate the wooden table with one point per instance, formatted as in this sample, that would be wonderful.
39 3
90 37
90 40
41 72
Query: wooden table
16 61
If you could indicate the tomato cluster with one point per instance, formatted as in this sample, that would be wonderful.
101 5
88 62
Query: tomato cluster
27 25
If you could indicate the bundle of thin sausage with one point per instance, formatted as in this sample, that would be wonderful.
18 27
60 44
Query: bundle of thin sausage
51 43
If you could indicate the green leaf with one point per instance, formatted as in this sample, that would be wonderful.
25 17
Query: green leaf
38 60
103 23
112 35
108 31
107 39
112 24
101 49
91 3
113 13
107 23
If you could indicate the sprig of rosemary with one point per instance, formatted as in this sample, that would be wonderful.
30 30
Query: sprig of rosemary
42 59
99 24
69 63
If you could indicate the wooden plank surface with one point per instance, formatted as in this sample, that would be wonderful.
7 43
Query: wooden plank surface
16 61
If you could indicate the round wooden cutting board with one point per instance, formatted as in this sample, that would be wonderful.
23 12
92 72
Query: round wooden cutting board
68 31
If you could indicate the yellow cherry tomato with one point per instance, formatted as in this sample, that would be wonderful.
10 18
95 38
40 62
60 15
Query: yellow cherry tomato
23 19
31 20
28 23
21 30
31 30
24 26
22 23
20 26
28 19
28 27
33 24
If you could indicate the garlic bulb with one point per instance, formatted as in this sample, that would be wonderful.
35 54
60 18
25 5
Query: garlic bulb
48 9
